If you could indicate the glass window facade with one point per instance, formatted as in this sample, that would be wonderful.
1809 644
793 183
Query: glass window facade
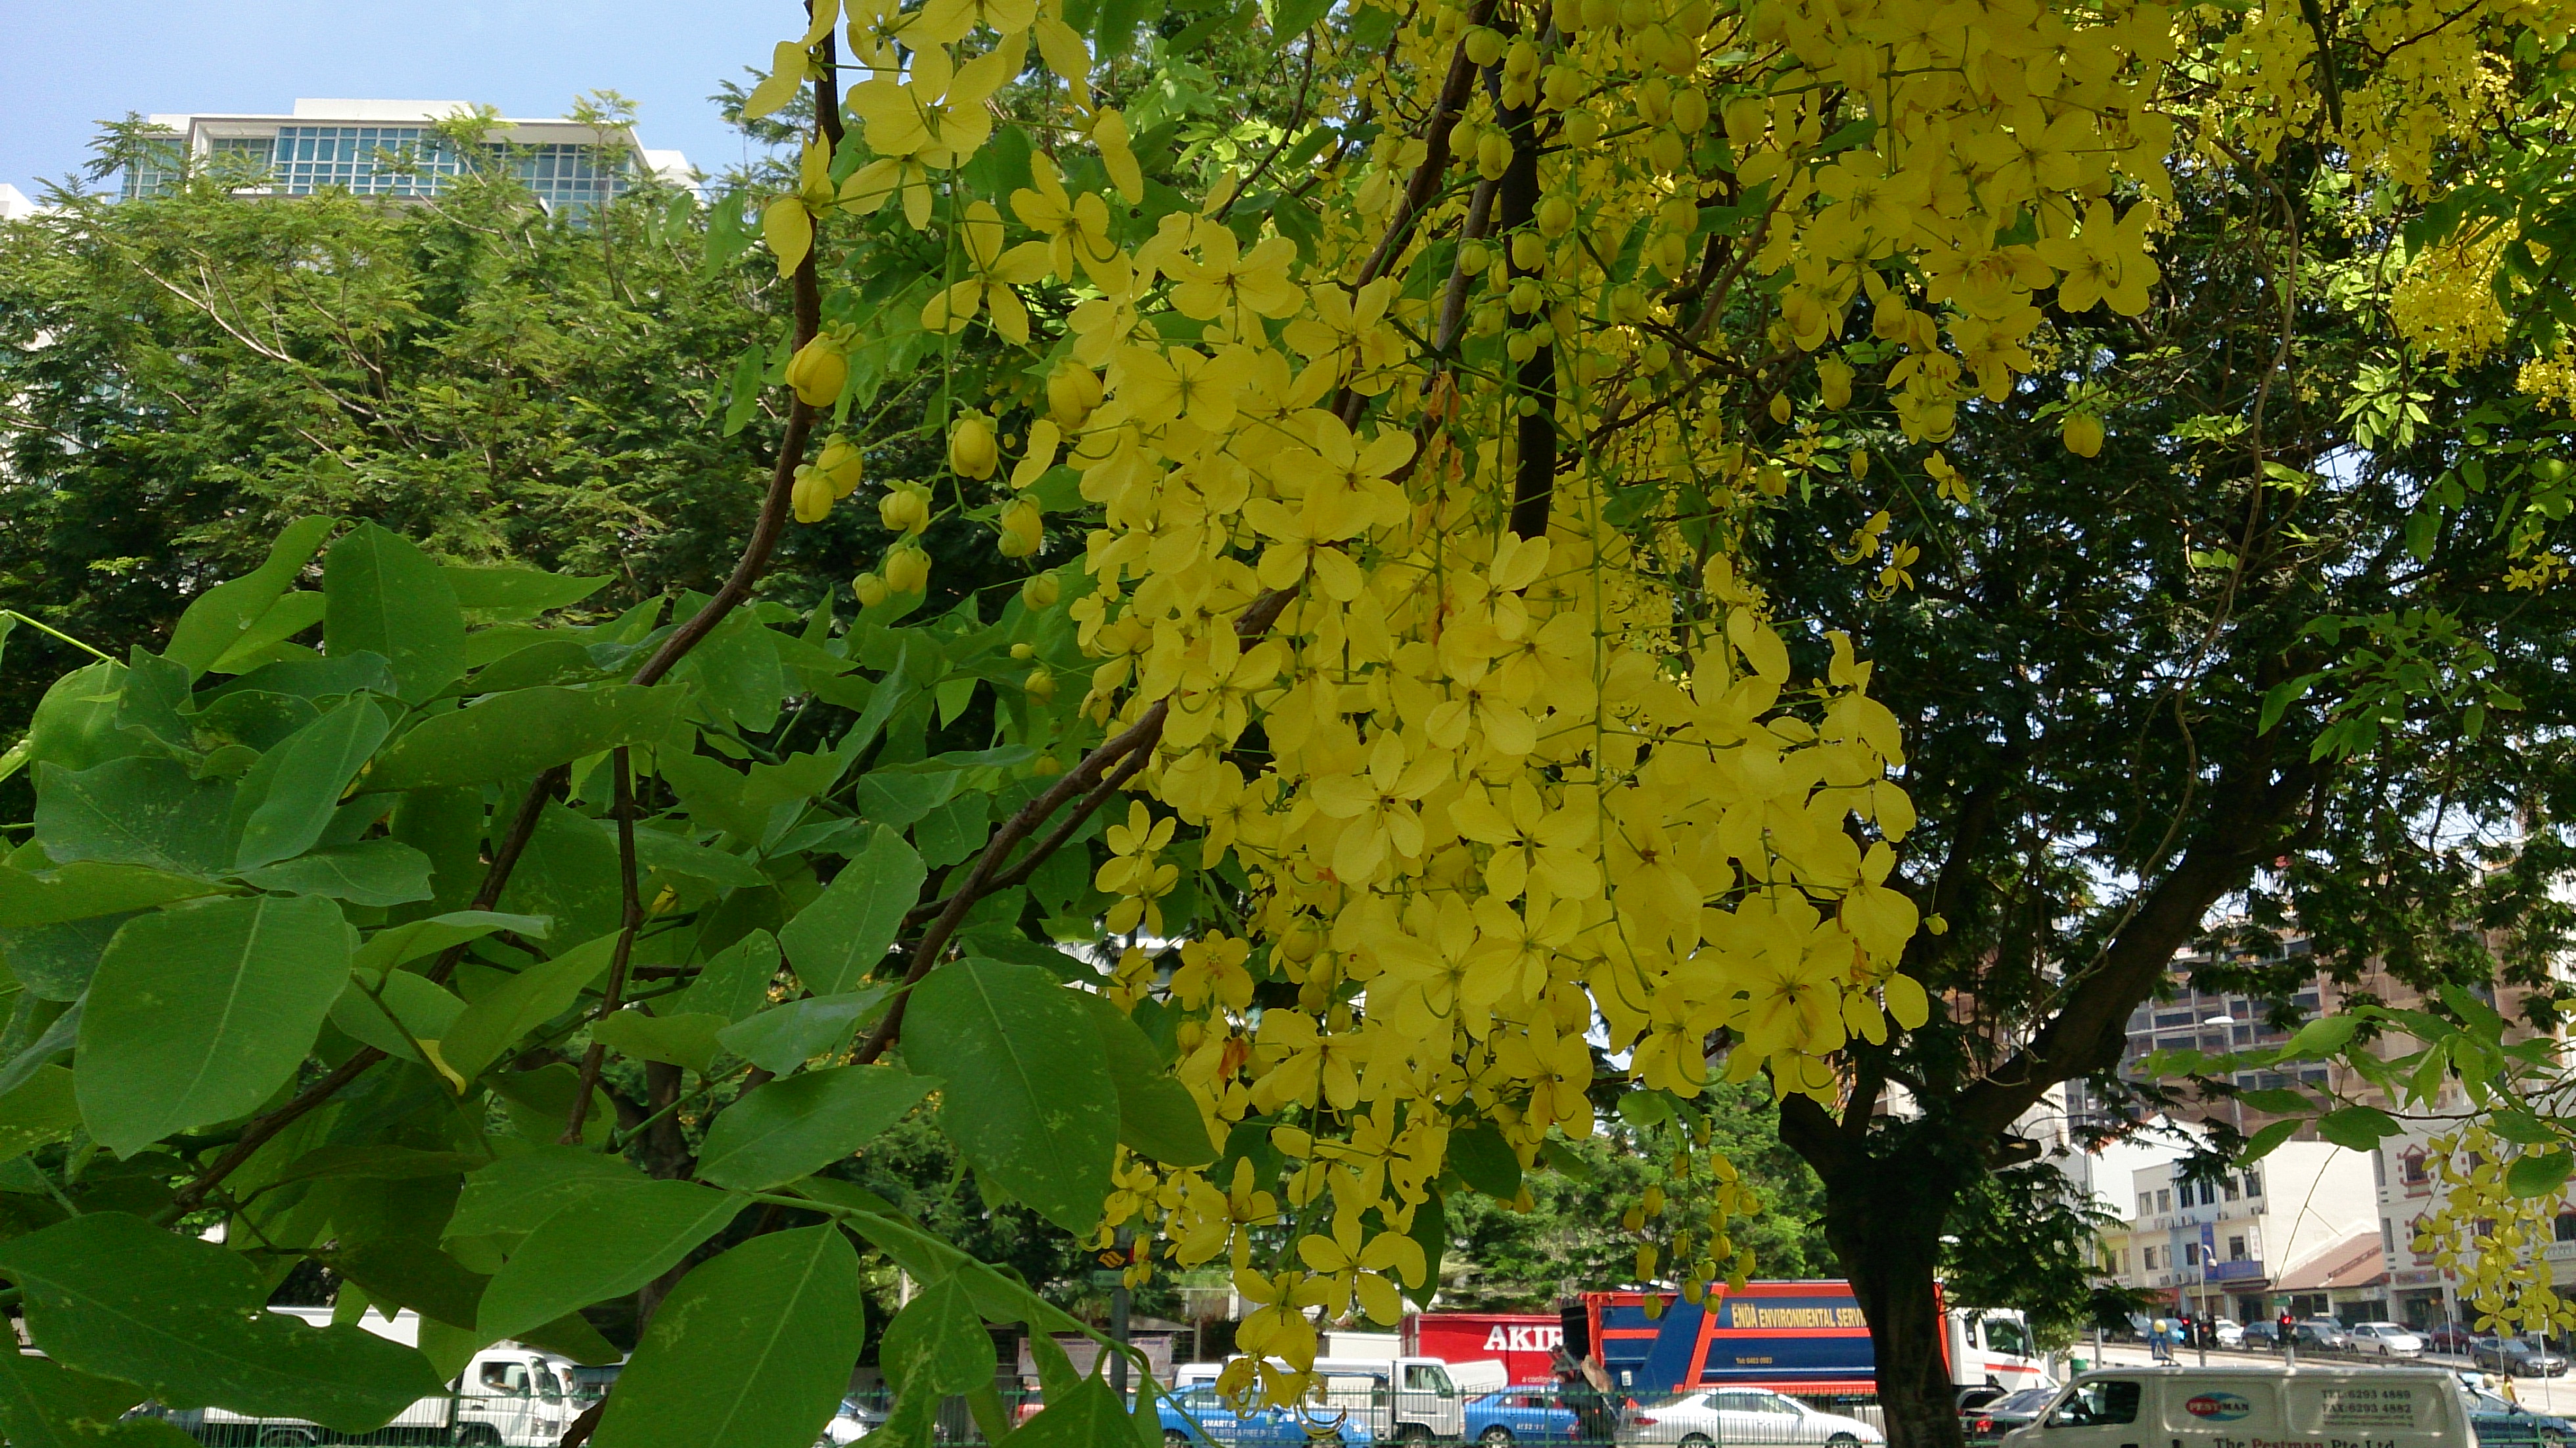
393 161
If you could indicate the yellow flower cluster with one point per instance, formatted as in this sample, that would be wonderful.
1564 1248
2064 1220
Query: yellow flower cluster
2491 1237
1415 529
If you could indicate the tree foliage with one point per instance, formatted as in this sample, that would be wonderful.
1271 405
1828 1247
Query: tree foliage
1440 684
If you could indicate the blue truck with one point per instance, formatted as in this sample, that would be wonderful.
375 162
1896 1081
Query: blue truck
1807 1337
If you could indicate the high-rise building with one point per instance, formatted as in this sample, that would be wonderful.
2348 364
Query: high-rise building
394 149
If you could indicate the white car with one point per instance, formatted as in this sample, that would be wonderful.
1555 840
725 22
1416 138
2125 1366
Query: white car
1742 1418
2386 1339
2228 1331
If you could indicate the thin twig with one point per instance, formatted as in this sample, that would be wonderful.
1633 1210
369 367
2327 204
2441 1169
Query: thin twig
630 919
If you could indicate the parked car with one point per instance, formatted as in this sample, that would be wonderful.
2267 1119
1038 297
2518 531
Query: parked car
1990 1423
2324 1335
1523 1412
2447 1339
2503 1424
1742 1418
1977 1395
2518 1356
1200 1415
2263 1335
856 1419
2386 1339
2227 1331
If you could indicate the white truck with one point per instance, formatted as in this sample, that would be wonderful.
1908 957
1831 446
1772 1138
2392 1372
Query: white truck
509 1396
2216 1407
1402 1399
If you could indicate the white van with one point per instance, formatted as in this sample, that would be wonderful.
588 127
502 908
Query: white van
2375 1407
1402 1399
1991 1347
509 1396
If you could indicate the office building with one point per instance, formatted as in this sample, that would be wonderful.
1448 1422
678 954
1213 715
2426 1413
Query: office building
393 149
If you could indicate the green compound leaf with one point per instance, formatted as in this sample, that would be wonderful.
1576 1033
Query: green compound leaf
109 1294
200 1012
752 1350
1029 1099
796 1125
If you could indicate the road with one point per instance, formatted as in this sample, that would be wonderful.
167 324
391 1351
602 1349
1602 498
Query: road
2546 1395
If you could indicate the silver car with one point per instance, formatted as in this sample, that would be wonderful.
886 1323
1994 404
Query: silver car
1743 1418
2387 1339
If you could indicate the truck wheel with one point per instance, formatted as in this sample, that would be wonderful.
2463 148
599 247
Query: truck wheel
1413 1433
478 1435
1496 1435
1842 1440
285 1438
1697 1440
1175 1438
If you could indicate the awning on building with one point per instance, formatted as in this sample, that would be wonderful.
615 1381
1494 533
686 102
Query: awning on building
2354 1262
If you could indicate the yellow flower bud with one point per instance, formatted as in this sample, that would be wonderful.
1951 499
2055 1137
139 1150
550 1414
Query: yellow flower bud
1474 257
904 510
971 450
1584 130
1779 407
1690 111
1041 591
817 372
1493 155
1555 216
1040 684
1072 390
2082 434
907 570
1484 46
868 589
1022 529
843 465
812 495
1834 380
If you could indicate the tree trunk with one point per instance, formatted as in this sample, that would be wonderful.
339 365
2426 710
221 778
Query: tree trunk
1888 1197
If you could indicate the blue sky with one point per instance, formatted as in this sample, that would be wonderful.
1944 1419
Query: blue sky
66 64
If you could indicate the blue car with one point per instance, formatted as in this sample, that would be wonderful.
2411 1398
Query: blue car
1201 1416
1523 1413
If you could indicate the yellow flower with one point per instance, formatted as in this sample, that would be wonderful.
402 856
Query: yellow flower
994 273
1224 281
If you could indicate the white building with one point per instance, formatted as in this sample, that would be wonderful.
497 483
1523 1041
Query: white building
2228 1246
391 148
14 204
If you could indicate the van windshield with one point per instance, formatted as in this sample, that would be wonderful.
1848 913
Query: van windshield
2096 1402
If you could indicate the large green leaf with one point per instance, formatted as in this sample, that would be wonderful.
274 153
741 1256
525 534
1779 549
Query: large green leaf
1088 1416
38 1113
1157 1116
383 595
1028 1099
737 667
752 1350
835 941
1485 1161
796 1125
392 946
522 1003
55 962
569 873
46 1405
525 731
735 983
605 1242
785 1037
370 872
516 1193
287 798
75 723
133 811
199 1012
87 890
223 616
370 1008
258 645
106 1293
938 1344
686 1039
518 592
